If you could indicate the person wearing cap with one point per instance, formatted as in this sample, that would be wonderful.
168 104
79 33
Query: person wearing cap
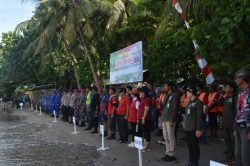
132 114
193 125
122 115
169 117
144 117
242 120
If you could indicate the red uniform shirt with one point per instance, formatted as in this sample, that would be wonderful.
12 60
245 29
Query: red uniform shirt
124 104
132 114
113 101
145 102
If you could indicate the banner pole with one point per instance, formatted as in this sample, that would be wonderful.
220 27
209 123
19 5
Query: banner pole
40 110
140 157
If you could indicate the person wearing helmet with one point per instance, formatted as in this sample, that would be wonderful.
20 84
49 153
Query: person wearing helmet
242 120
193 125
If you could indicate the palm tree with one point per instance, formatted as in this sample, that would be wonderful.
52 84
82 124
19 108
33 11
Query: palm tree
67 20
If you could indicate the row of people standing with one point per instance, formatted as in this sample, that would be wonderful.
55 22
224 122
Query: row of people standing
130 112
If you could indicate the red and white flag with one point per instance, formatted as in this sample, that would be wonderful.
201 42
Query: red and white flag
201 61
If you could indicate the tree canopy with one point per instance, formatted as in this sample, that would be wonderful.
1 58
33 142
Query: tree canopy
69 41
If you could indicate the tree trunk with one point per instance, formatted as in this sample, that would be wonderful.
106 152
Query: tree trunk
74 63
76 75
86 52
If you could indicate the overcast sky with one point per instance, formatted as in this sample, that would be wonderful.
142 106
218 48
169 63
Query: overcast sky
13 12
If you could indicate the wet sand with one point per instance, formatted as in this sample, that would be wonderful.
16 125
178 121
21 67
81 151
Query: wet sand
28 138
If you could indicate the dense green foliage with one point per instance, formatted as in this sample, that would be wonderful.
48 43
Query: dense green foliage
64 37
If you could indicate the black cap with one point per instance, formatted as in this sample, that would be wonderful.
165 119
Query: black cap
192 89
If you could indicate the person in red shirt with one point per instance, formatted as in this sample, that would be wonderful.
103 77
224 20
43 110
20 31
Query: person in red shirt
144 117
112 108
122 115
132 114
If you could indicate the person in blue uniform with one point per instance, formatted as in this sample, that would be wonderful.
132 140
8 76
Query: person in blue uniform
52 103
57 102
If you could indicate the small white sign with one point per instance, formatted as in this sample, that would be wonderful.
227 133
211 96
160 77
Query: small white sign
20 104
138 143
213 163
102 129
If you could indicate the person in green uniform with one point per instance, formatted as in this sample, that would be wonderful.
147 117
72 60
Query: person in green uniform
169 117
193 125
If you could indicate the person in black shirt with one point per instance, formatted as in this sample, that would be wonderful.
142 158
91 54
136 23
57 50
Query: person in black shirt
95 108
229 103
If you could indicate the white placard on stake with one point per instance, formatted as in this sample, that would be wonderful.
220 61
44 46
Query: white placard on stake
102 129
21 105
213 163
102 148
54 112
31 107
40 111
74 123
138 141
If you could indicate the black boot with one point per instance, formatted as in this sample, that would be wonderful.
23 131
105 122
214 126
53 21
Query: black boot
112 137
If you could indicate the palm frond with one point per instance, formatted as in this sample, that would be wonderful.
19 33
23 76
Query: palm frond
47 35
88 30
21 27
194 9
69 31
116 13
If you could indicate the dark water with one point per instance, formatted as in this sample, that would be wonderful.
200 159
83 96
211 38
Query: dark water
20 145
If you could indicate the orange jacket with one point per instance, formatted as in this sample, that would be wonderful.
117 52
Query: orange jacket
160 101
220 106
203 98
212 102
184 101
